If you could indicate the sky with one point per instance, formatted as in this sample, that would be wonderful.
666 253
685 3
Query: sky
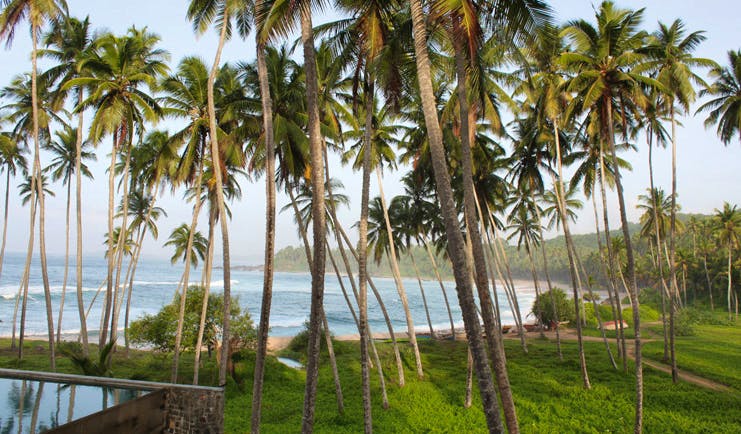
709 173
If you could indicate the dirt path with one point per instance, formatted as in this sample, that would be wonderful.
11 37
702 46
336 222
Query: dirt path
570 335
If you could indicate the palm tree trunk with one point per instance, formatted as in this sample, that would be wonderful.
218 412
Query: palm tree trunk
131 274
186 274
469 380
611 258
674 297
381 304
707 278
730 277
318 220
456 249
78 210
121 245
397 279
633 285
40 188
216 161
382 380
23 288
206 282
659 262
362 258
5 221
109 281
442 286
66 263
536 284
333 364
560 191
422 291
515 304
611 291
548 278
267 287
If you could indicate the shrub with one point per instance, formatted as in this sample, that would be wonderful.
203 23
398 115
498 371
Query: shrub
605 312
158 330
646 313
299 345
544 305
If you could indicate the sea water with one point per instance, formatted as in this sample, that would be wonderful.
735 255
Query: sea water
156 281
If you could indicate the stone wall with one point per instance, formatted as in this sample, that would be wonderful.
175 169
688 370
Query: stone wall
194 410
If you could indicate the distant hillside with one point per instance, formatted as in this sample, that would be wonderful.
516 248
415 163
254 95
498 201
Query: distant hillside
293 259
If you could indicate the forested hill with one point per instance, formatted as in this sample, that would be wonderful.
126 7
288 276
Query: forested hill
293 259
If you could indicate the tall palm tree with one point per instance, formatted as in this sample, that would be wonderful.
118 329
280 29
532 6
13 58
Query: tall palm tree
725 107
120 66
69 42
728 229
187 98
270 191
281 19
670 52
456 244
37 12
63 167
604 57
203 13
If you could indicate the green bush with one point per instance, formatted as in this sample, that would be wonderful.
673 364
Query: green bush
544 305
604 310
158 330
299 345
646 313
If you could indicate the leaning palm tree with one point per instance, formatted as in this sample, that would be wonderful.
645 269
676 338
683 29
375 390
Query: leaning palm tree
728 229
456 244
63 167
37 12
725 107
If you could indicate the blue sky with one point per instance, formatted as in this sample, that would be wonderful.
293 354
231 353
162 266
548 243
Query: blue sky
708 172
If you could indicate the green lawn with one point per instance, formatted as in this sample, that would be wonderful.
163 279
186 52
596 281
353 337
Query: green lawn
548 392
713 352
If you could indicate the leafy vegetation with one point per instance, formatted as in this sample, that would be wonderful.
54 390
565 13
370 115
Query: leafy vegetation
157 331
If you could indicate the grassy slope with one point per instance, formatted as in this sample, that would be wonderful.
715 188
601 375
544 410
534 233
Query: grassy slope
547 391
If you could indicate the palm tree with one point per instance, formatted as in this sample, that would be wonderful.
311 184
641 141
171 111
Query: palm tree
203 13
188 99
670 52
456 244
63 167
728 226
270 192
604 57
120 66
69 42
11 160
179 240
144 215
281 18
37 12
725 107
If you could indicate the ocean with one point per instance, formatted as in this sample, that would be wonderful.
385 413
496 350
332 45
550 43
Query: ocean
156 281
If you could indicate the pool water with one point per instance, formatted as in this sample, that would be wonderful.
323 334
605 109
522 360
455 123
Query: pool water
33 407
